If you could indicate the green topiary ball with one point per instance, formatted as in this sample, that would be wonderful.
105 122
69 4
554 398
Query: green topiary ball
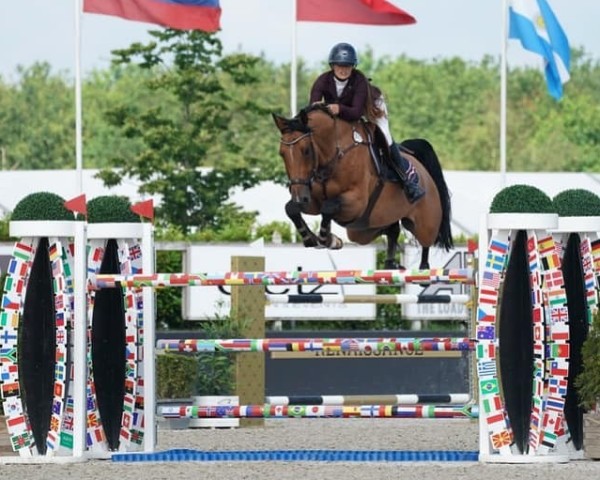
521 199
577 202
42 206
111 209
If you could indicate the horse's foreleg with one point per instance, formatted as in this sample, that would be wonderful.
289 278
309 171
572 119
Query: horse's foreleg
392 232
424 265
326 238
309 239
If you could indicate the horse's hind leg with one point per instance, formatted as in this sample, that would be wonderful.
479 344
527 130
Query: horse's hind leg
309 239
326 238
392 232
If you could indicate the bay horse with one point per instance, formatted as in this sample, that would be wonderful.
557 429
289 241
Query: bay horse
333 171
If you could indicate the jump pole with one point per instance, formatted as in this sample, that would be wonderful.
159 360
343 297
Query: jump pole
403 399
238 278
318 345
319 411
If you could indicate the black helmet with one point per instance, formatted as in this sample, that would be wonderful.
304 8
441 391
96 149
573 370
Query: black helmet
343 54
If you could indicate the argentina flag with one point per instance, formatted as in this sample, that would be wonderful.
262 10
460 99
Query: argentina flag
533 23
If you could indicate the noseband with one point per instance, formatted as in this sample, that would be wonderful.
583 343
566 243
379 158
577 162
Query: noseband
301 181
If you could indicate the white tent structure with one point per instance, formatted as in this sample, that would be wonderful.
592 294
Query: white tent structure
472 192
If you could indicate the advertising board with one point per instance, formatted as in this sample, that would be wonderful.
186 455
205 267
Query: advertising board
202 303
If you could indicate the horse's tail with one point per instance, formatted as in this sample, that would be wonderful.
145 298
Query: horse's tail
425 153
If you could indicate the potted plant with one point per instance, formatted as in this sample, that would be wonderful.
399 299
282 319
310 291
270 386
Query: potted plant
215 381
175 383
521 207
588 389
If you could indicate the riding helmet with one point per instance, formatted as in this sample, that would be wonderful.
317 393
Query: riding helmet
343 54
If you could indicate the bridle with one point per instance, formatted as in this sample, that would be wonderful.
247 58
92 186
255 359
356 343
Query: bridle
301 181
323 173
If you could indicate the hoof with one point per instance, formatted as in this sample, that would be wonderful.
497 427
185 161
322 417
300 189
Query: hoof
392 265
332 242
311 242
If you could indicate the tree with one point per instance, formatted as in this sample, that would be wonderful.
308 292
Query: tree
180 142
36 120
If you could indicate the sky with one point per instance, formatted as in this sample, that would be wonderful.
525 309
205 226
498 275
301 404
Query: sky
44 30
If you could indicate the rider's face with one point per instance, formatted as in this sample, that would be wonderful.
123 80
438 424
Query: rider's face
342 71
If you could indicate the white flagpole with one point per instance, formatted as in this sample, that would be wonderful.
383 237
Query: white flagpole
78 105
503 74
80 330
293 66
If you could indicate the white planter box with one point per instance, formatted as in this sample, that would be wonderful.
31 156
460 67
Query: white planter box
42 228
522 221
115 230
578 224
211 400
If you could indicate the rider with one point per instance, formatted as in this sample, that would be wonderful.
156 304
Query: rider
348 94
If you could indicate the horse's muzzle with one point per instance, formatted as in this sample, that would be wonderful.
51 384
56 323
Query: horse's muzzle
300 192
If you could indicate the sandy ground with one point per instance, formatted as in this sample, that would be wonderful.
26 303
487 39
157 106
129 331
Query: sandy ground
334 434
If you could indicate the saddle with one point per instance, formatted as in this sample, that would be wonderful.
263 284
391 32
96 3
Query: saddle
380 153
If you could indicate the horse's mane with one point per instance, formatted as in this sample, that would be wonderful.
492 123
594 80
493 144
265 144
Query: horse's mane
302 115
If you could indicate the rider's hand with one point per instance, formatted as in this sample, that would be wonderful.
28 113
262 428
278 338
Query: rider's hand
334 108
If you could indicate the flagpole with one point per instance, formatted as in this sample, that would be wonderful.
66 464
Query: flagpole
78 103
293 66
503 80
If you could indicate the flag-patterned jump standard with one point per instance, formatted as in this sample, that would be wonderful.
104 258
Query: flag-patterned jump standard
334 277
378 299
318 411
441 344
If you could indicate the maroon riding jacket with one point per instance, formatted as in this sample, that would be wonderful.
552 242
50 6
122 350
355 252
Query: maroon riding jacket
353 99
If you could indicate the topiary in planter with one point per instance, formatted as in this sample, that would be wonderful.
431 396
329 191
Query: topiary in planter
577 202
111 209
521 199
42 206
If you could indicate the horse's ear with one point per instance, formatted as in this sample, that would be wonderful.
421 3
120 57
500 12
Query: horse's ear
280 121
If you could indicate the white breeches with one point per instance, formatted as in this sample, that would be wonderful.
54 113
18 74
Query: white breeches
383 122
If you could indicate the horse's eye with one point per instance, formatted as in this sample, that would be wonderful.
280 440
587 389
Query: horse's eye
306 151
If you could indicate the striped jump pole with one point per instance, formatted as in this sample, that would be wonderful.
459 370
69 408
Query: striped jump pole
400 299
334 277
404 399
317 345
318 411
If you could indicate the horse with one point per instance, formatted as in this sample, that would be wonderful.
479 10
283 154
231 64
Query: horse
333 171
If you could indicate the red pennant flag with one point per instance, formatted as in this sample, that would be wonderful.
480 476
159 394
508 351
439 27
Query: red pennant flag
77 205
202 15
472 245
365 12
144 209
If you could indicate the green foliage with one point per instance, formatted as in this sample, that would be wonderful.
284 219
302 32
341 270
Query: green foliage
111 208
588 381
577 202
282 228
4 232
231 224
42 206
175 375
216 371
169 313
521 199
36 120
194 132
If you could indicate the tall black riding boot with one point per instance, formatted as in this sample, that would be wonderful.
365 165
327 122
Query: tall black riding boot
409 178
